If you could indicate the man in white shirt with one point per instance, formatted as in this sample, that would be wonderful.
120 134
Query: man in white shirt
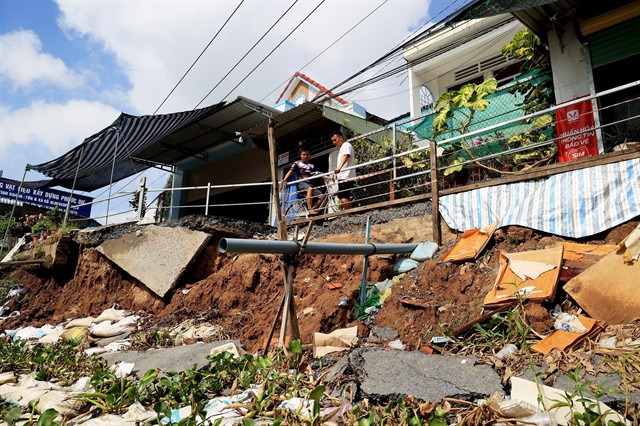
346 178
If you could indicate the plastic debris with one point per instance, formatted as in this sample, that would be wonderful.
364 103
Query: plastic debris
397 344
566 321
507 350
122 369
303 407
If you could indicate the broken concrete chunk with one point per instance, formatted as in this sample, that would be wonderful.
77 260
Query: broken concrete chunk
158 257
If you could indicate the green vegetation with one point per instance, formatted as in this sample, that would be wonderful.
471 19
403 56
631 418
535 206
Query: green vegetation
273 380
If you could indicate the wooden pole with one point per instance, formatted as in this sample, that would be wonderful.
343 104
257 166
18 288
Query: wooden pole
435 212
282 229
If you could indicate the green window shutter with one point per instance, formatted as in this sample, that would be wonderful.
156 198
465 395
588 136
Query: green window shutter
615 43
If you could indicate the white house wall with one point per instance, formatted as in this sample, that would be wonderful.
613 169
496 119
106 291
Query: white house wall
570 65
439 73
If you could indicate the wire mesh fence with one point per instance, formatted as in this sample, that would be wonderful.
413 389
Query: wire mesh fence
510 135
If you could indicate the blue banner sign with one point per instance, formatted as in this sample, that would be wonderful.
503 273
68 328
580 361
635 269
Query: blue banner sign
45 197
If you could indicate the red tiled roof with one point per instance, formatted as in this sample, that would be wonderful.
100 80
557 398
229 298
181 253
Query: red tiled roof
321 88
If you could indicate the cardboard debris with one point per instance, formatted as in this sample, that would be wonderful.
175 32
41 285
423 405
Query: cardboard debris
414 302
509 286
528 391
470 245
338 340
608 290
577 251
631 245
566 340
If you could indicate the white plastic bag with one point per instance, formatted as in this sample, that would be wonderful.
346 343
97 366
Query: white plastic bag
567 322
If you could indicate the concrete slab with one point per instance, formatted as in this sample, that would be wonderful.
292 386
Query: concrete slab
176 358
156 255
392 374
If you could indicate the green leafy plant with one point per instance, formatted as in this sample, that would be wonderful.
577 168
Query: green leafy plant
587 399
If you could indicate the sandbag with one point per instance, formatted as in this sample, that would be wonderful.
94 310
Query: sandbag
404 265
111 314
81 322
424 251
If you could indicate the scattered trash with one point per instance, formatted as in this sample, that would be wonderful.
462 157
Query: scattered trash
565 340
609 342
440 340
566 321
471 244
338 340
544 265
302 406
536 393
122 369
111 314
414 303
397 344
507 350
334 286
343 302
608 290
230 347
631 246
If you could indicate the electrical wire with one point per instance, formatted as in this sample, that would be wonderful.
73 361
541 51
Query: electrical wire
274 49
384 58
199 56
246 54
327 48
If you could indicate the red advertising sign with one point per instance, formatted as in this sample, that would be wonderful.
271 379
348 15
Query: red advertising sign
575 128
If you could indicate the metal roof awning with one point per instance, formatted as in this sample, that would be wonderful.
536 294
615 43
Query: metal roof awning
134 143
224 125
297 123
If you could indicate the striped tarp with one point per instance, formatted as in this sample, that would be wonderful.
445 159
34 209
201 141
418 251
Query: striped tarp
573 204
126 137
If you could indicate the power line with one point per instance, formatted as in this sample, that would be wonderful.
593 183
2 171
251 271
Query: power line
245 55
199 56
328 47
274 49
383 58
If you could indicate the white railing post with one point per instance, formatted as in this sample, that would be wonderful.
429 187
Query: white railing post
143 184
206 206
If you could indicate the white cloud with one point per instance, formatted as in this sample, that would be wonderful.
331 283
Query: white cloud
24 64
155 42
48 129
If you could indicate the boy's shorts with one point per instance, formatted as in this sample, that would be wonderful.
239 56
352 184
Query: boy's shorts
344 189
304 186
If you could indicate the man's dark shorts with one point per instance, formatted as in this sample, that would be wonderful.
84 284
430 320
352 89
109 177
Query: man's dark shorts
304 185
345 188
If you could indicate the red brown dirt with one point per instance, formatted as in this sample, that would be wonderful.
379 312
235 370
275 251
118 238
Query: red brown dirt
241 293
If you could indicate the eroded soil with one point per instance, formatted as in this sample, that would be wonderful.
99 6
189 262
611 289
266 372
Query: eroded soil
242 293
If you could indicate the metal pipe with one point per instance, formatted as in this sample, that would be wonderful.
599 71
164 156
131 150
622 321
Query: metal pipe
365 265
239 245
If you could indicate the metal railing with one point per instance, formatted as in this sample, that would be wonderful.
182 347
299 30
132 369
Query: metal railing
393 163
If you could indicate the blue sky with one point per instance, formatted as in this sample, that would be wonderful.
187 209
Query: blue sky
68 68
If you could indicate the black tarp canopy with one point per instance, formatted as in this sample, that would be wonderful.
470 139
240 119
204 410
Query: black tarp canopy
135 143
115 148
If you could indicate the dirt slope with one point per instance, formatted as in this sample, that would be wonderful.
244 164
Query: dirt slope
242 293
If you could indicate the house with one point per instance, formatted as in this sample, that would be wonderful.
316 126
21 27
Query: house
593 47
456 53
